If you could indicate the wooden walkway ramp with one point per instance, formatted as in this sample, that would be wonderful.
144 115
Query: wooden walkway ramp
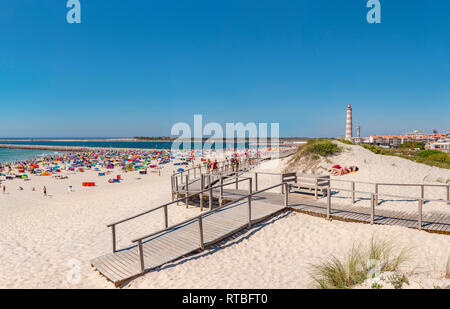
168 246
237 210
435 222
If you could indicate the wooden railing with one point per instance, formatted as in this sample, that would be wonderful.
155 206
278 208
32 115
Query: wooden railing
225 165
165 206
376 185
374 198
200 217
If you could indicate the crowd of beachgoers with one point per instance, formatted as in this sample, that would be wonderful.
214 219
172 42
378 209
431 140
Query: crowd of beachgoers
107 161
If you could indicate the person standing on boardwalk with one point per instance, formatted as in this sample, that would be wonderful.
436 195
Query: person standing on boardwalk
214 167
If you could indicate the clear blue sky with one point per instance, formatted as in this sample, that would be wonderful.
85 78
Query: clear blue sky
137 67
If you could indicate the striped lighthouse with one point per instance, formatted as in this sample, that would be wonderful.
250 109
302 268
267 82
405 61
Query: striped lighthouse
348 124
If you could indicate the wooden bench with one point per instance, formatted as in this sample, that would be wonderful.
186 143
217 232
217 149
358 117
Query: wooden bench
309 183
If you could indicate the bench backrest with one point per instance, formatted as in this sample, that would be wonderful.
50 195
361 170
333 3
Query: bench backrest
289 177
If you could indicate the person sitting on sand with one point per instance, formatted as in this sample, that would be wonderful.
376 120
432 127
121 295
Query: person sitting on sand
339 171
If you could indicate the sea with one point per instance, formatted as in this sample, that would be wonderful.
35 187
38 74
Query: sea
10 155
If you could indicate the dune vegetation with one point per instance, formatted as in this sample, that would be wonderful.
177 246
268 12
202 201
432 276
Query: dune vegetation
430 157
310 153
360 264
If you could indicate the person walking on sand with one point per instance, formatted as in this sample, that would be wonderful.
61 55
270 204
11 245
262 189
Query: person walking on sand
45 190
4 189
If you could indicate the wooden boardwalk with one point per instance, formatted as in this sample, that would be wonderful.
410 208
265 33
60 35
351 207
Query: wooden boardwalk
197 233
180 241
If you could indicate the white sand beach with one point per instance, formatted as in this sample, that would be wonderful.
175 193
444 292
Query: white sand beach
44 238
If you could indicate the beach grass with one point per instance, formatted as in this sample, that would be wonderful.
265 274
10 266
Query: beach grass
316 148
355 268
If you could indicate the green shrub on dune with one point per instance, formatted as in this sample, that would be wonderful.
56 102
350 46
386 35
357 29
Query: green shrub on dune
314 149
430 157
322 147
376 149
428 152
412 145
438 157
345 141
325 148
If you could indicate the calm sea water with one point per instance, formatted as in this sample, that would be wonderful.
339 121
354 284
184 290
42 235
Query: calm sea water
10 155
119 144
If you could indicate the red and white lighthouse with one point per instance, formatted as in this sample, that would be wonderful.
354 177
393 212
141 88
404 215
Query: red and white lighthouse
348 124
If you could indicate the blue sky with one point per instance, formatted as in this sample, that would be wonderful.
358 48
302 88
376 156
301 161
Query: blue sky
137 67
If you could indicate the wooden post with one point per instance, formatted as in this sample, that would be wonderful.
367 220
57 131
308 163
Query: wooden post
448 194
177 193
202 187
187 191
166 217
419 221
353 193
237 178
210 198
328 203
141 255
250 211
282 187
315 189
200 229
376 196
256 181
221 191
172 184
195 172
286 194
422 193
113 228
372 208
